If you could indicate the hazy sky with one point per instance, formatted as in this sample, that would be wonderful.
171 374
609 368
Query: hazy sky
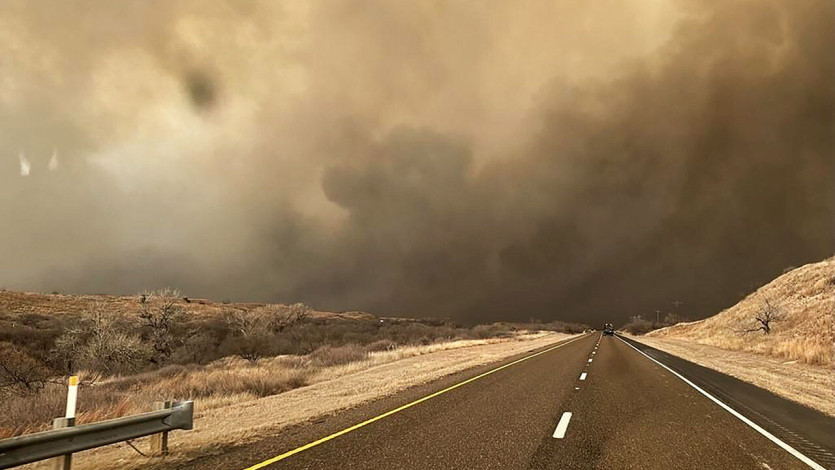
481 160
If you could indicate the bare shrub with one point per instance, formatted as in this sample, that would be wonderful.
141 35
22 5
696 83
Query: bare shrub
381 345
196 348
101 342
159 315
332 356
637 325
19 372
482 331
254 331
281 316
251 334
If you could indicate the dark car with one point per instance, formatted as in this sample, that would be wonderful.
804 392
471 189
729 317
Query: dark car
608 329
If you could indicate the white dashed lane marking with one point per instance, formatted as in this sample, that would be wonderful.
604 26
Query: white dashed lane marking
562 426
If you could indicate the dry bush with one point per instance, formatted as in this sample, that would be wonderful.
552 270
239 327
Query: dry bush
101 342
637 325
381 345
560 327
326 356
254 331
487 331
20 373
160 316
196 348
252 334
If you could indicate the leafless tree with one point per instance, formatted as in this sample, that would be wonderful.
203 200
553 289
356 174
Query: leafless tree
252 333
255 329
766 314
196 347
159 315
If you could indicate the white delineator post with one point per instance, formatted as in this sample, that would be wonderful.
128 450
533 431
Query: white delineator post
72 396
64 462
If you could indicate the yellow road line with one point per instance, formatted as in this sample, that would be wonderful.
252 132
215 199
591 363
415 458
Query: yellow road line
399 409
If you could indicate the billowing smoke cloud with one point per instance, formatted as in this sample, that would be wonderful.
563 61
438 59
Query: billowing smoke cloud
482 161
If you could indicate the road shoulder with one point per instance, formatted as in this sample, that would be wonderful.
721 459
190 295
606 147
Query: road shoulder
803 428
808 385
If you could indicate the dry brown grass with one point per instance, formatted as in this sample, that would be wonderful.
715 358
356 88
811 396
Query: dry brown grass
804 332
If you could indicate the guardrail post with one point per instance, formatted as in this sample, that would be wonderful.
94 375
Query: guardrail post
62 462
159 442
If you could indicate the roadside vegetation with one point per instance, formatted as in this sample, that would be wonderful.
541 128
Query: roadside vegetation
132 351
639 325
790 318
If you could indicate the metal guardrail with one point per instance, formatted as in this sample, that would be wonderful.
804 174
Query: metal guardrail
43 445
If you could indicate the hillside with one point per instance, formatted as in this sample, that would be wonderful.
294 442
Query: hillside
804 302
14 304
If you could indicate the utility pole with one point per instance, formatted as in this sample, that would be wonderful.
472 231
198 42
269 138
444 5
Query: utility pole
657 312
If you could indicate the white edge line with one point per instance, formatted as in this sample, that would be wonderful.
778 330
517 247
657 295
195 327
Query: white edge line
732 411
562 426
583 376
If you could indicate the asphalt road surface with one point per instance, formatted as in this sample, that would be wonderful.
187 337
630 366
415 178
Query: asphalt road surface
591 402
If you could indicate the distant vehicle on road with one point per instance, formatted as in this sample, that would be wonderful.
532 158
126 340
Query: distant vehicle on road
608 329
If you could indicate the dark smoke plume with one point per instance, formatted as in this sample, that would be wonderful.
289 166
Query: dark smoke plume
550 159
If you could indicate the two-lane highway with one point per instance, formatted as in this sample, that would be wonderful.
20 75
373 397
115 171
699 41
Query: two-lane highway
589 402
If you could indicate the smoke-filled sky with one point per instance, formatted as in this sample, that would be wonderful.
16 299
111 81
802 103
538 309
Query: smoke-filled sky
479 160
